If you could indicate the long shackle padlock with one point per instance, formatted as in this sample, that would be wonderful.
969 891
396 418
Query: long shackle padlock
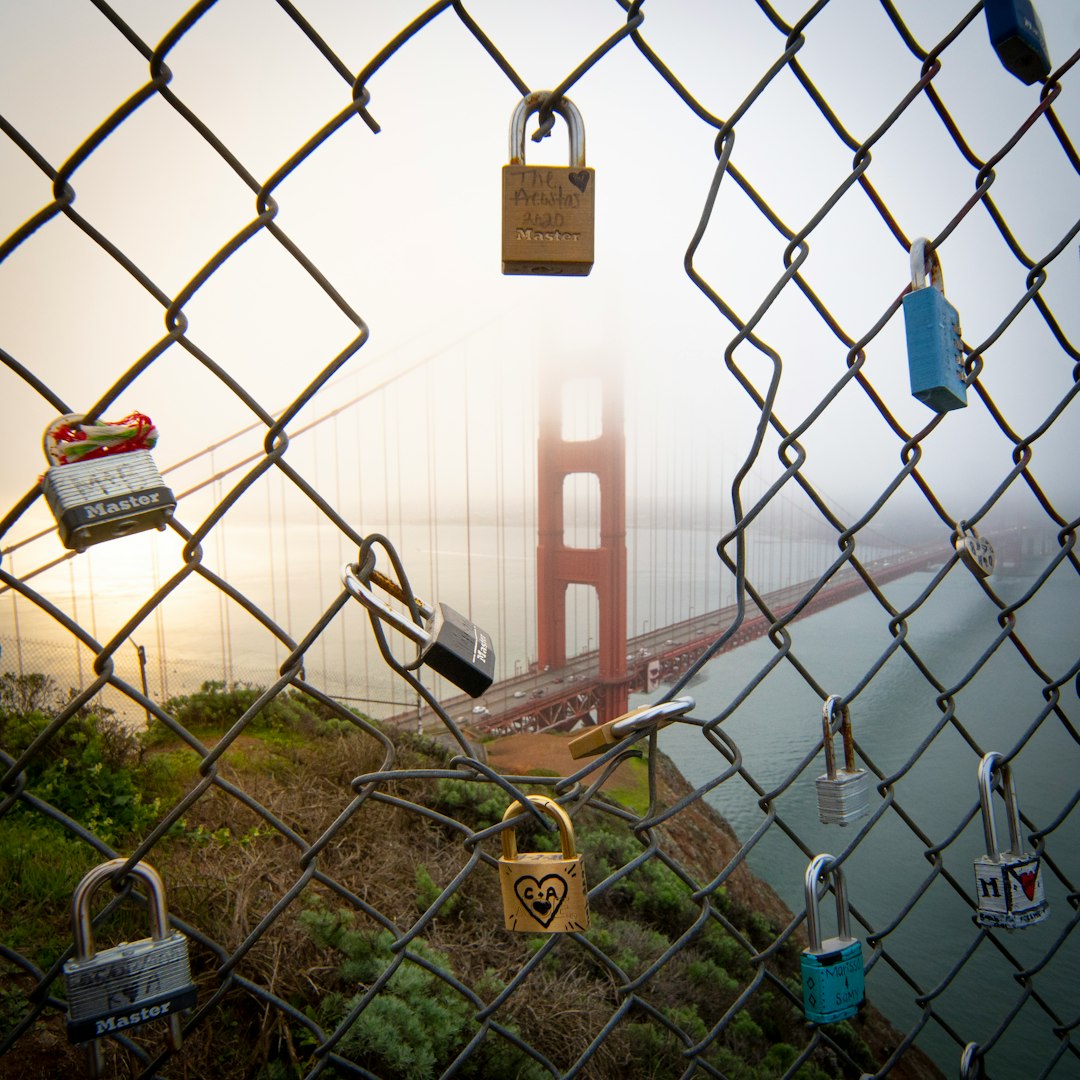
450 644
124 986
548 212
597 739
843 795
932 330
1008 884
543 892
833 976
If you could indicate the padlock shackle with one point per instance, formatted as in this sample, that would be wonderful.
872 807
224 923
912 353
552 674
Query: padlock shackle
359 590
82 924
552 809
987 765
565 108
828 711
650 714
926 264
971 1063
821 866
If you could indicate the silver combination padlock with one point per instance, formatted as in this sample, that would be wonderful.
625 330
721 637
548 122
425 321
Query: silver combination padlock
1008 884
547 211
833 975
450 644
976 552
932 330
98 491
843 795
112 991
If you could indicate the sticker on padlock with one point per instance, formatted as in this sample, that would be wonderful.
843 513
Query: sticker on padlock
843 795
833 976
932 328
102 482
547 211
450 644
976 552
1008 884
111 991
597 739
1018 39
543 892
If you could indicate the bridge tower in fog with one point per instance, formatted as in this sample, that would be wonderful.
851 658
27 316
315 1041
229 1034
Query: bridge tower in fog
603 567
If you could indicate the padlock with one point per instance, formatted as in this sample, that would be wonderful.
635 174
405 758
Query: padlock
1017 37
109 490
597 739
932 327
976 552
833 977
1008 884
543 892
450 644
547 211
843 795
112 991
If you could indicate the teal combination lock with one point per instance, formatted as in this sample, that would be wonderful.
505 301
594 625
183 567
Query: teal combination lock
833 978
935 354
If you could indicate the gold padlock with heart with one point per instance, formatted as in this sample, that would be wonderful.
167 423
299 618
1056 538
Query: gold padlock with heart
543 892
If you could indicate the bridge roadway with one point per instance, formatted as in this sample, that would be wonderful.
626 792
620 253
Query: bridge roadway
565 698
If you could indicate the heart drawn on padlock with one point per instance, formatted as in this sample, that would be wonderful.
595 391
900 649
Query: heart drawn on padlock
541 898
580 180
1027 882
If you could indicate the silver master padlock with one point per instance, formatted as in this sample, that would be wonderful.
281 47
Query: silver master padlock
843 795
112 991
102 498
450 644
833 975
976 552
1008 884
547 211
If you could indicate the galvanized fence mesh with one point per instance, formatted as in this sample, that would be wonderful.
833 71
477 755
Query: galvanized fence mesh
315 869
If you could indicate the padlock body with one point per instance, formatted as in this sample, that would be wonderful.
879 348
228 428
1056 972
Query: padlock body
935 355
544 893
1017 37
547 220
459 651
1009 891
833 980
107 497
843 798
977 554
127 985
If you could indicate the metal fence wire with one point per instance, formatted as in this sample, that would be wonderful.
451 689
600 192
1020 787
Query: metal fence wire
308 955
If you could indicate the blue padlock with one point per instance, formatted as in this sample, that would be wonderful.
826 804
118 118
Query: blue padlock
1017 37
935 353
833 977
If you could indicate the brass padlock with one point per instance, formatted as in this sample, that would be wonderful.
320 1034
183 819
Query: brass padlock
543 891
547 211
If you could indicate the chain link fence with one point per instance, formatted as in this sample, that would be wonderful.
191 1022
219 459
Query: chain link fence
337 878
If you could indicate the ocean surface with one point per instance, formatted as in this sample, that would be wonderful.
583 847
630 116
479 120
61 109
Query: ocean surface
893 717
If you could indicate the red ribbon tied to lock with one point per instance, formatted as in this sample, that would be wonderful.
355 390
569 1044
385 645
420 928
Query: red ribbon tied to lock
68 440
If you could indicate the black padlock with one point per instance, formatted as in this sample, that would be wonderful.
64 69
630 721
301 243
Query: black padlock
1017 37
450 644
